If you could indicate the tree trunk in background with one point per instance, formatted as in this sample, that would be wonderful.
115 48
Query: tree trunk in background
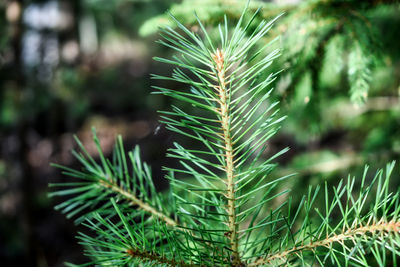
22 129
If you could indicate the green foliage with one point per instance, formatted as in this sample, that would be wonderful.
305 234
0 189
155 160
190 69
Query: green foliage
207 10
308 29
223 208
359 75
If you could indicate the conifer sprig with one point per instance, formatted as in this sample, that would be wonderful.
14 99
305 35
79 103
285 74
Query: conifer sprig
223 209
146 243
101 181
239 120
347 229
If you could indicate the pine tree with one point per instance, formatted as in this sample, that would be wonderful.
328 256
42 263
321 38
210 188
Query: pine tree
222 208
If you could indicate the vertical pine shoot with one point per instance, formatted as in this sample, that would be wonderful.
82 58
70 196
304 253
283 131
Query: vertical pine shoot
232 122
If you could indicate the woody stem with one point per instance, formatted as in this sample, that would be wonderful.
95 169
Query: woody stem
229 166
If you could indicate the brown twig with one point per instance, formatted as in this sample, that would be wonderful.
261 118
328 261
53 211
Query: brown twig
137 202
223 111
154 257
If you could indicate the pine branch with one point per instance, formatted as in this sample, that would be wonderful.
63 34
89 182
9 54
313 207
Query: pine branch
379 229
238 125
134 201
100 182
230 212
357 230
127 243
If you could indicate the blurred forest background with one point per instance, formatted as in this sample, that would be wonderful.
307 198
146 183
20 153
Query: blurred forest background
68 65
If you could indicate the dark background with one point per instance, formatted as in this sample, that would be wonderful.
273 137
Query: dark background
67 66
